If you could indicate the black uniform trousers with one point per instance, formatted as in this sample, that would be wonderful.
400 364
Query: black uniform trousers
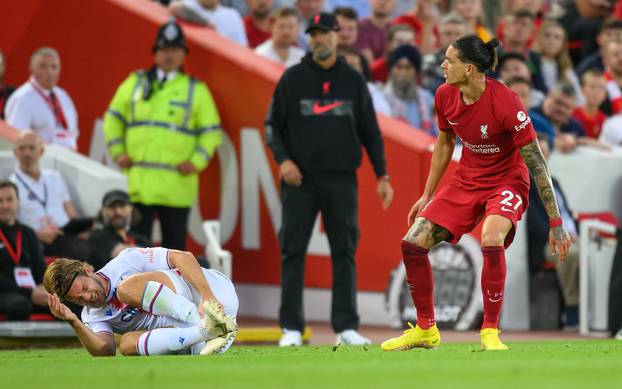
173 221
336 199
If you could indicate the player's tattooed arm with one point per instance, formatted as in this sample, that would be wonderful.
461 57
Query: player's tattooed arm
532 155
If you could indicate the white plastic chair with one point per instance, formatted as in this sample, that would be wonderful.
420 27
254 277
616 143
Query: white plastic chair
217 257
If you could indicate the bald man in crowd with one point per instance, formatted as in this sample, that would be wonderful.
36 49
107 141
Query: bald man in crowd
44 202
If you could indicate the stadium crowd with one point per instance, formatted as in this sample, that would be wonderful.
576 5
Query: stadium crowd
562 58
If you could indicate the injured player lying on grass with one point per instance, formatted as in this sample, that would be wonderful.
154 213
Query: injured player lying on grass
161 302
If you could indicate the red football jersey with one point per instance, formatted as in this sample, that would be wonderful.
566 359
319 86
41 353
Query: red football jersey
591 124
492 130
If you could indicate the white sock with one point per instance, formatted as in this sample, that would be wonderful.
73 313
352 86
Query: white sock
164 341
158 299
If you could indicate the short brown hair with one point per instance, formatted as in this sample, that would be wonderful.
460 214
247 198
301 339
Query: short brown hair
594 72
518 80
346 12
284 12
60 275
9 184
521 14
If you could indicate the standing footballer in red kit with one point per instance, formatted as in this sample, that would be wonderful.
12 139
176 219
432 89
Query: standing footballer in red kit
490 184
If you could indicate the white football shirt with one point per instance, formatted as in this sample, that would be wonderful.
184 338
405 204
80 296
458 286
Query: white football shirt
118 318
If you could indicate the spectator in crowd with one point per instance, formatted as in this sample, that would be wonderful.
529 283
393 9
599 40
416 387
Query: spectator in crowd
40 104
408 100
519 28
555 65
538 243
241 6
306 9
44 202
613 75
612 131
169 143
473 13
114 235
399 35
281 47
359 63
423 18
452 26
258 24
611 30
21 262
557 108
594 89
515 65
5 90
348 27
533 6
372 38
360 7
318 151
522 87
581 20
224 20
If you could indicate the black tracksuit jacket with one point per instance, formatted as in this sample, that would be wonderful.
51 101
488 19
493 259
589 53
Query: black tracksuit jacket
319 118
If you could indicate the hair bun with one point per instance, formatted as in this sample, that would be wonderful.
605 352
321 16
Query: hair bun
494 42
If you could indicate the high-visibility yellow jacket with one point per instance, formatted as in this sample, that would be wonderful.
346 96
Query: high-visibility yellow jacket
178 122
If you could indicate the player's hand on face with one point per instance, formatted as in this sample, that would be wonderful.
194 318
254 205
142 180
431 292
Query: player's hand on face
416 209
59 309
290 173
560 242
385 191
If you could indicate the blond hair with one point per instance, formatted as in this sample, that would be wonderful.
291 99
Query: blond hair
60 275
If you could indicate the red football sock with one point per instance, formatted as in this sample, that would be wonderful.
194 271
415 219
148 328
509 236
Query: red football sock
420 281
493 284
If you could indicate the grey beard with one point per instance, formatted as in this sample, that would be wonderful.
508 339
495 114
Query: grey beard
405 92
321 55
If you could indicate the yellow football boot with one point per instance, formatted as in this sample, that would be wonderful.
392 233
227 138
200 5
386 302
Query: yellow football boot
491 341
414 337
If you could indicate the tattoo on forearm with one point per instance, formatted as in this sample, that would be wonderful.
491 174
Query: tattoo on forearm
537 168
426 234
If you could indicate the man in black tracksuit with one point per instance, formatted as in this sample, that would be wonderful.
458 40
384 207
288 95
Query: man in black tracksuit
321 113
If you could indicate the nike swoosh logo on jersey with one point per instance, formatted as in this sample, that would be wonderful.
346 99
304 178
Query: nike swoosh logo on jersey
452 123
507 209
320 109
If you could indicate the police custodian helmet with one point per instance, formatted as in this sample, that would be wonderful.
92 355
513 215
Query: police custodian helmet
170 35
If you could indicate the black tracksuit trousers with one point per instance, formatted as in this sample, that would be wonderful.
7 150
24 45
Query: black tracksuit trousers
336 199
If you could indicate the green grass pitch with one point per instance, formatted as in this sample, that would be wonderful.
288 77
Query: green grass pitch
528 365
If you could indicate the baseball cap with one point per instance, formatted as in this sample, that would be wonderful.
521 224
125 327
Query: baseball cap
322 21
115 196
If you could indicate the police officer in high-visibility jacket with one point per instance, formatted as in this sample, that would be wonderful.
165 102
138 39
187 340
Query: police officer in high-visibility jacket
162 127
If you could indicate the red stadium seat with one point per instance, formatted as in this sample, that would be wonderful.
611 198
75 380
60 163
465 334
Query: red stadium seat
35 317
